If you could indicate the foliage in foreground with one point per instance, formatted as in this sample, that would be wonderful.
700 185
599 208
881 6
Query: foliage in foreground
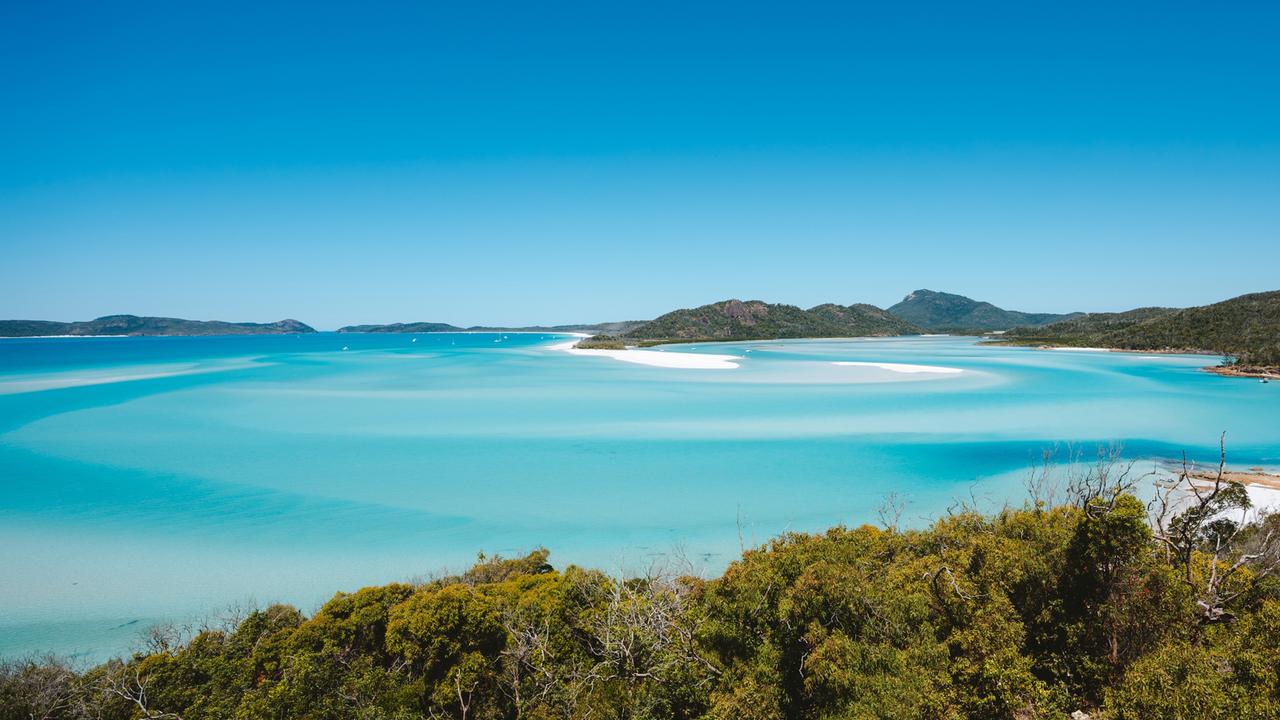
1028 613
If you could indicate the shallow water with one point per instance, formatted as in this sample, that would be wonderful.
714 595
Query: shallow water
153 478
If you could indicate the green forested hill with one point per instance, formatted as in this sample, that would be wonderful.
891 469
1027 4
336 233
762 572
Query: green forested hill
612 328
863 320
756 320
733 320
135 325
1025 614
956 313
1092 324
1247 327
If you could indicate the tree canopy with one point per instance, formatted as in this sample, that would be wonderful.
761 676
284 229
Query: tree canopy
1095 605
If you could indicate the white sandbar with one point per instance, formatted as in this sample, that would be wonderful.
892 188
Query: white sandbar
903 367
658 358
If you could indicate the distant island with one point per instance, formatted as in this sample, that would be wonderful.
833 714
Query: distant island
413 327
133 325
1244 329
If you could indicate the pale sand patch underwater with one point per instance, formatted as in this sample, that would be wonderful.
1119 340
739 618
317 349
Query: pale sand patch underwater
906 368
15 384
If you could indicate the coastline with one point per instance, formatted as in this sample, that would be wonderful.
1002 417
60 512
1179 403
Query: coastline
1246 371
1262 487
1237 371
1085 348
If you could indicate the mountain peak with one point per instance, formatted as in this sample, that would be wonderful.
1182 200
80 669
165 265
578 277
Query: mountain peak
946 311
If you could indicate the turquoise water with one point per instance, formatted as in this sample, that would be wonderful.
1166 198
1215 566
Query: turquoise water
154 478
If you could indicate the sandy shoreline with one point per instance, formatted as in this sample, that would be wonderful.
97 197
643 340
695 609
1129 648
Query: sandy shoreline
1262 487
1252 477
1267 373
1244 372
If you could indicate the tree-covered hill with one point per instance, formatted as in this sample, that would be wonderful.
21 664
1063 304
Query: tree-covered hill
945 312
1092 324
863 320
606 328
1247 327
756 320
1030 613
135 325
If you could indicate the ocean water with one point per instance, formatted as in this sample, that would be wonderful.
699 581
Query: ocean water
152 479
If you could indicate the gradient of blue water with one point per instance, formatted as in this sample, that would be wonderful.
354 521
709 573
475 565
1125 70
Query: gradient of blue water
214 470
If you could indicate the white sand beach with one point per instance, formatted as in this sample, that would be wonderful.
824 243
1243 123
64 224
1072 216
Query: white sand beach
657 358
1262 485
1264 499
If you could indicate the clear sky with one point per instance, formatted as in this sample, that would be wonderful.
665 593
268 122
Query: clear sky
522 162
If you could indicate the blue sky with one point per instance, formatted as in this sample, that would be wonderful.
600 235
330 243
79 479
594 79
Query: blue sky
514 163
